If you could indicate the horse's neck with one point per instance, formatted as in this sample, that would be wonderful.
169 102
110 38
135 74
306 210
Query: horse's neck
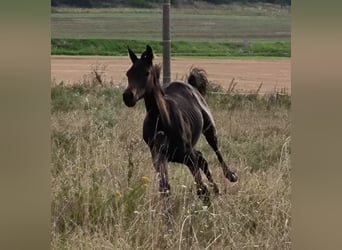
155 103
151 104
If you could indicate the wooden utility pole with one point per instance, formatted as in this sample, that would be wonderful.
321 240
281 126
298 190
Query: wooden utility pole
166 42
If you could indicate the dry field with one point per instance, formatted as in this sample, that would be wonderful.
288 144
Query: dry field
275 74
105 191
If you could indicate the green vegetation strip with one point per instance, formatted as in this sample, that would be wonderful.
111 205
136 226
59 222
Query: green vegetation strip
117 47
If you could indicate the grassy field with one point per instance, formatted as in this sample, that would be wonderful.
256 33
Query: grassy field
104 190
229 31
141 24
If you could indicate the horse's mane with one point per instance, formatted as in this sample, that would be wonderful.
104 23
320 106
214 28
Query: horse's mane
159 96
157 68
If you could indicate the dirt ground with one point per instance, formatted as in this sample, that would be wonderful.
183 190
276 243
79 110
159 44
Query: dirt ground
274 74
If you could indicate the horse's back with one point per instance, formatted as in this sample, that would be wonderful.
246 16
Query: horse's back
182 96
188 97
180 91
185 111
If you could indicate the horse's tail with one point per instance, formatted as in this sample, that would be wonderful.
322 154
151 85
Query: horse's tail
198 79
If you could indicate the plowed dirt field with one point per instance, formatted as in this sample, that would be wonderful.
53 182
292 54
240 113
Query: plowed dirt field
274 74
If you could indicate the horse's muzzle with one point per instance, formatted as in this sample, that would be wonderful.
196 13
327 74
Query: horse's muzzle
128 98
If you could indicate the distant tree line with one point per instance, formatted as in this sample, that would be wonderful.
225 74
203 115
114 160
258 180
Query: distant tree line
150 3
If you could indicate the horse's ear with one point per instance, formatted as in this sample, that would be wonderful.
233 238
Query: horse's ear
132 55
148 54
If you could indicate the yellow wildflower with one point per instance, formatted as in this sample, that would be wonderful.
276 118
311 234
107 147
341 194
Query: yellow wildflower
145 179
118 194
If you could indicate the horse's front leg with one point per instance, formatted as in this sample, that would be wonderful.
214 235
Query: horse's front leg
159 157
159 152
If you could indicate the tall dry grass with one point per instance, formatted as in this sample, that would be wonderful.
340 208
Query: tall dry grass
105 191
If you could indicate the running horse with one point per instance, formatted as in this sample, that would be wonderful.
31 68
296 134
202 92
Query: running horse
176 115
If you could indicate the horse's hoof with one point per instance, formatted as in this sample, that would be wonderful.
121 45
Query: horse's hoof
204 195
233 177
215 189
201 191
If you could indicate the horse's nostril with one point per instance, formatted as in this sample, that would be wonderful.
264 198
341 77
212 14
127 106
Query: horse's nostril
128 98
128 95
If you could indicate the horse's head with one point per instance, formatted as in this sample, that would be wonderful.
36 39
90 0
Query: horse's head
140 77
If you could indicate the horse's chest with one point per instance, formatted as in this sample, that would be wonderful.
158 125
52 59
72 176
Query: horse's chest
152 125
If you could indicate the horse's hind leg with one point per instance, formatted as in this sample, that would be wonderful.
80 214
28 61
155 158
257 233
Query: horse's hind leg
202 191
203 164
211 137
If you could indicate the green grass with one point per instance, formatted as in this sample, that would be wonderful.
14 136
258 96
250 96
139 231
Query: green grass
105 191
228 31
190 24
109 47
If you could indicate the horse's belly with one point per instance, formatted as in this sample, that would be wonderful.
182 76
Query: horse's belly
196 124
